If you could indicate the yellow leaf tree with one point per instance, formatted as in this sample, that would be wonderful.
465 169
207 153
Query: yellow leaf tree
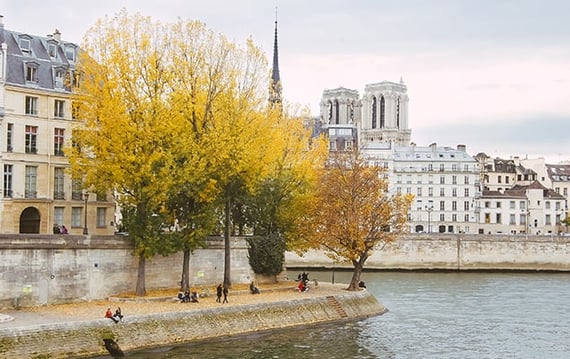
350 214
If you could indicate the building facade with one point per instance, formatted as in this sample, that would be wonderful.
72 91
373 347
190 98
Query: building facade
36 121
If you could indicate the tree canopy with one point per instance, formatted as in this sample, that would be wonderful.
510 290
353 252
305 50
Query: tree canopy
351 213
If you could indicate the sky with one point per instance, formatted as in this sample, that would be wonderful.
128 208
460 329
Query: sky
493 75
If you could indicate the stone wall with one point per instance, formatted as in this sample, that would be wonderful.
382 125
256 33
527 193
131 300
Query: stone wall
457 252
51 269
85 339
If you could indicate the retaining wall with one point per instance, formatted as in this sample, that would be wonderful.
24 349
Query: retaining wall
85 339
457 252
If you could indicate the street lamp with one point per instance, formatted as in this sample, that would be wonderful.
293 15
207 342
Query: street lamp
85 230
429 209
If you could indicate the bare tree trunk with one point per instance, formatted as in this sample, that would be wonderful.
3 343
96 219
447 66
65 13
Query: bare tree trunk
141 280
185 281
227 281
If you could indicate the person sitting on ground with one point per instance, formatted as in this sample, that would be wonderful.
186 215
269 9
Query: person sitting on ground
184 297
118 314
193 297
361 284
253 289
109 314
302 287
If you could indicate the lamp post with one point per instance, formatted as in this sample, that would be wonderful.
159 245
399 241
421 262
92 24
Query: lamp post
429 209
85 230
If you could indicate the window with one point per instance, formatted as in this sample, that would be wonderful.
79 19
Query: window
31 73
512 219
498 204
499 179
408 190
512 204
454 217
466 205
332 146
565 191
101 216
557 205
399 189
430 167
76 188
522 219
442 192
59 78
430 191
466 192
419 191
58 109
31 182
465 168
454 179
507 179
31 139
522 204
382 111
442 217
31 105
547 204
58 187
454 192
547 220
25 46
453 166
442 179
70 53
557 219
58 138
466 179
498 216
557 190
454 206
9 137
7 181
487 217
52 50
441 167
487 204
466 218
76 216
442 205
58 216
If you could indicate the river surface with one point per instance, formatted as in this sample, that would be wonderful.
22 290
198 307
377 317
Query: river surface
431 315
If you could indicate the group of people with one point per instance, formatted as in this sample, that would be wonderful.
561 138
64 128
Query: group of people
60 229
117 317
222 290
303 279
188 297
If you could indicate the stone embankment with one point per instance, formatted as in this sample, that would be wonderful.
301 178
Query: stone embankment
78 330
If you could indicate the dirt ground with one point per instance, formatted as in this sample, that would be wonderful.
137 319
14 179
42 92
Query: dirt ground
164 301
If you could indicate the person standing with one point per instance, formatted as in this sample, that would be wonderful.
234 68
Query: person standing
219 293
225 291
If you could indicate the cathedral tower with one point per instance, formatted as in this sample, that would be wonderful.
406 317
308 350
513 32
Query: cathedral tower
275 89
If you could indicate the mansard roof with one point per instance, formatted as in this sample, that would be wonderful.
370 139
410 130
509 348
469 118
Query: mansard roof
38 56
431 153
559 172
546 192
515 194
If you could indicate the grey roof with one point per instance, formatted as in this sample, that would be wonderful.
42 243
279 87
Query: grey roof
16 59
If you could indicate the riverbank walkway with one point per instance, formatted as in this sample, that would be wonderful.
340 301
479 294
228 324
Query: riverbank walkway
137 306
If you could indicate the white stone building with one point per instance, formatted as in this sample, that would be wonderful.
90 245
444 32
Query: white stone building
36 75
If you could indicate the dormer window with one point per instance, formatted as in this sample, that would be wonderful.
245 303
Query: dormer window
32 72
59 78
52 50
25 45
70 53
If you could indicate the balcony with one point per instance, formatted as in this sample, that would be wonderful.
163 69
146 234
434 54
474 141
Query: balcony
59 195
30 194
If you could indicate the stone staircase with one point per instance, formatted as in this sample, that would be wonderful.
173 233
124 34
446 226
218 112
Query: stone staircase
337 307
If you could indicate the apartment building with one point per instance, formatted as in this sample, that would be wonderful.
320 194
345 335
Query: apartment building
36 123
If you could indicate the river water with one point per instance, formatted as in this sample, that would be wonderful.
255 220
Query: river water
439 315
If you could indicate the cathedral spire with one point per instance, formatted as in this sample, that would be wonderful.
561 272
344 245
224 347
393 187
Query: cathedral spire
275 88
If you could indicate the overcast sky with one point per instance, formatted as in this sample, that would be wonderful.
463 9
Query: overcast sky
491 74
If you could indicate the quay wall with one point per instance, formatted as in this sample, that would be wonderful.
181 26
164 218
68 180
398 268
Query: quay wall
436 251
85 339
53 269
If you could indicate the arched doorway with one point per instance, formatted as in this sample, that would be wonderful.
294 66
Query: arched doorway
30 220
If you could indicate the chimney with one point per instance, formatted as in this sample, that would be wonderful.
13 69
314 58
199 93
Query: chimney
461 148
433 146
57 35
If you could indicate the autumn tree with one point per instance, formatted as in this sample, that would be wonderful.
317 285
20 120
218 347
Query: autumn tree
294 168
351 213
123 138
